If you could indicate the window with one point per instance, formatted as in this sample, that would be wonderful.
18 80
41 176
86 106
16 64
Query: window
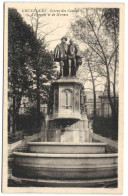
67 99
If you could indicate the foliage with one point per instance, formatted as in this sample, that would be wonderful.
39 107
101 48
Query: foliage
28 121
30 65
20 40
43 70
111 21
106 127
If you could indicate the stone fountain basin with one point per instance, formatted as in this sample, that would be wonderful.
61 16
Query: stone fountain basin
64 148
64 166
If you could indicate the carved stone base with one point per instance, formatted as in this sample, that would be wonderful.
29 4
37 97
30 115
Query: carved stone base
70 130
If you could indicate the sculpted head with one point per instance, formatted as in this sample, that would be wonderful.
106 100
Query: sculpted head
64 39
71 41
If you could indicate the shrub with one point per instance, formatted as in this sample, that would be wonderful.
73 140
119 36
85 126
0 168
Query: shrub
28 121
106 127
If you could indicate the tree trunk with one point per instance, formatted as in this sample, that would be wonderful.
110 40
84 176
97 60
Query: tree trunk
115 70
94 90
114 83
112 100
38 101
14 115
94 99
109 96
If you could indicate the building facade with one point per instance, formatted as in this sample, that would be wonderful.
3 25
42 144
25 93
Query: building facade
103 107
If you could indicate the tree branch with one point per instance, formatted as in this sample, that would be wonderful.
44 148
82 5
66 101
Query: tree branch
113 54
105 60
51 31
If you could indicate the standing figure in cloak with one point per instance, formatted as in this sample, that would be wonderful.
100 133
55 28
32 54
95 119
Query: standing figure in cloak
60 54
74 58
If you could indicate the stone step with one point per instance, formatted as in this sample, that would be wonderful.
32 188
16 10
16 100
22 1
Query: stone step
23 148
63 173
64 166
66 148
106 183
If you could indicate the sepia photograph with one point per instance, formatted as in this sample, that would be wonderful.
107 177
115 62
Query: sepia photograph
63 97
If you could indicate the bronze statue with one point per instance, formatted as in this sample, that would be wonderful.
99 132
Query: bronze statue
60 53
68 56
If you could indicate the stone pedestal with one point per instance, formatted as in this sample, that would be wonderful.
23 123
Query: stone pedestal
67 117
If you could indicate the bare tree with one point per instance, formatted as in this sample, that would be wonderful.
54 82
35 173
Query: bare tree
39 27
89 29
90 74
111 21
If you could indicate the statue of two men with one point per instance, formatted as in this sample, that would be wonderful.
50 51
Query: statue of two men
68 56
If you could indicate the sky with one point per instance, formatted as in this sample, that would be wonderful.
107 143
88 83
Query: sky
58 18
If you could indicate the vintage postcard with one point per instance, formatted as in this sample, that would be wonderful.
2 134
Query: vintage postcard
63 98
